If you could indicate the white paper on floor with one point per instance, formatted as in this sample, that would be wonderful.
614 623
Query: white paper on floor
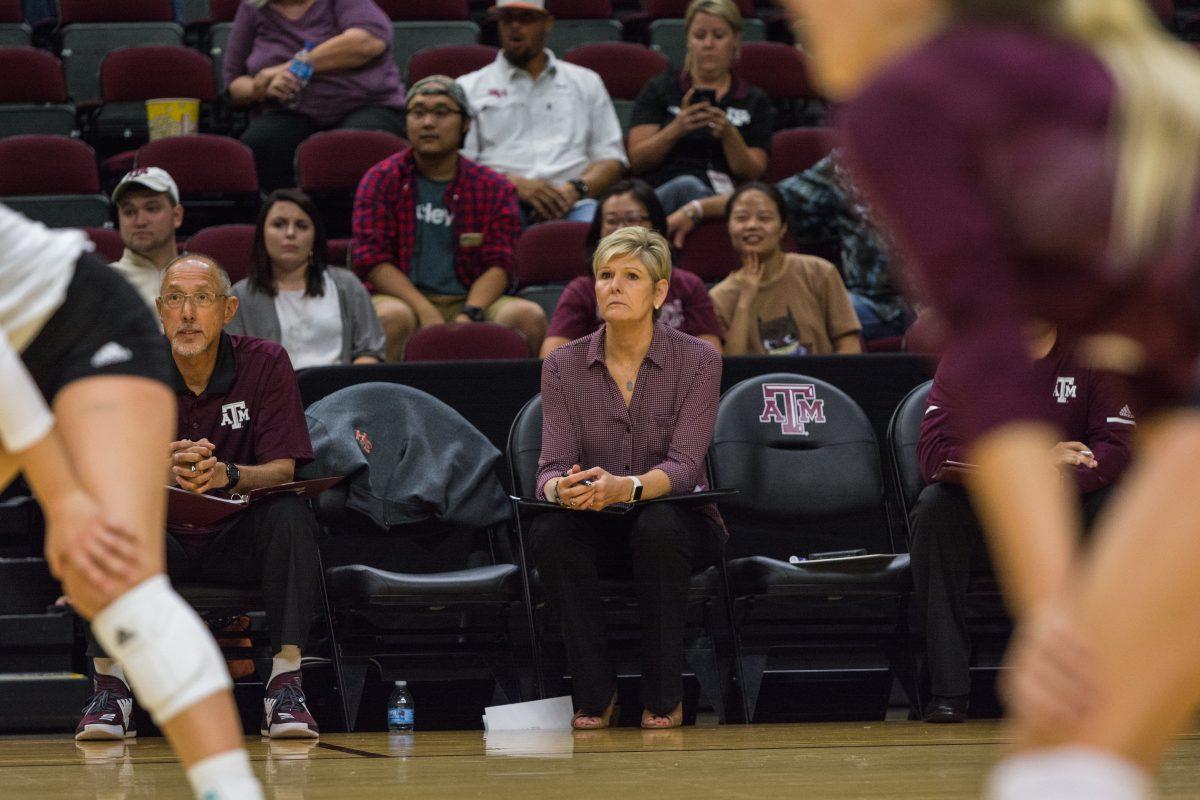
553 714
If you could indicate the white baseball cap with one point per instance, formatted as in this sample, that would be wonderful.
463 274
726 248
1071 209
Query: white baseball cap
156 179
532 5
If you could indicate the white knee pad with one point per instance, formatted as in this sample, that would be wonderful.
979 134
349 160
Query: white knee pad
1067 773
167 652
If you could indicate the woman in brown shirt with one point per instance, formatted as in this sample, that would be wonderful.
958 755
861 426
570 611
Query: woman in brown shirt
627 416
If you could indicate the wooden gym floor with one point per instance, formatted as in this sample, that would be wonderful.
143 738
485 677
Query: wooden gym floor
875 761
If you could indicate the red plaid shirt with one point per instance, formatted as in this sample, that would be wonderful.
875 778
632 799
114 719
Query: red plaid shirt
668 424
483 202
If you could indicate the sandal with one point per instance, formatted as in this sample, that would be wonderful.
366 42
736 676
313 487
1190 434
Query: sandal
605 720
652 721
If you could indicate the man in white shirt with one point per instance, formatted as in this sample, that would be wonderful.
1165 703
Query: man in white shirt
148 214
547 125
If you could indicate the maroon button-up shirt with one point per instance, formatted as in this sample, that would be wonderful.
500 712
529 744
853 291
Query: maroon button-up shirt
668 424
250 410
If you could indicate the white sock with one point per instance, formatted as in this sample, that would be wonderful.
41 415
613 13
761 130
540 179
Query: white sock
109 667
1068 773
225 776
286 660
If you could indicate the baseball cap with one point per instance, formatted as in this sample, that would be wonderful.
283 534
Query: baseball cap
156 179
443 85
532 5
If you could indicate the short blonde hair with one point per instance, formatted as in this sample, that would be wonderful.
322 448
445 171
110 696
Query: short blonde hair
647 245
721 9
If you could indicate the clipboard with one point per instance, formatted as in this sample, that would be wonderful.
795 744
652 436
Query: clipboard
953 471
621 509
188 510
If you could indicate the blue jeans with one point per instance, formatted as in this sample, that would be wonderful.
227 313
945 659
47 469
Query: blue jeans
681 190
583 211
873 326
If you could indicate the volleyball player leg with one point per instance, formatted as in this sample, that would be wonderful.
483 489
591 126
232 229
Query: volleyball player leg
1138 607
114 429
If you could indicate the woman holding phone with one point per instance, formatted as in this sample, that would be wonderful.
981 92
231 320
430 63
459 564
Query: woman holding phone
697 132
1038 160
627 416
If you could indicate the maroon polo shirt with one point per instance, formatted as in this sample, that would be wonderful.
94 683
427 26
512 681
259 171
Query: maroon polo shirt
250 410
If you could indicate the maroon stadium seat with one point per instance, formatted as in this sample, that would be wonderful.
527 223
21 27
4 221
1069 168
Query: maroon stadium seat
551 252
676 9
228 244
338 159
797 149
580 9
203 163
31 76
624 67
108 243
464 341
10 12
1165 11
134 74
428 10
778 69
454 60
339 252
72 11
47 165
223 10
708 252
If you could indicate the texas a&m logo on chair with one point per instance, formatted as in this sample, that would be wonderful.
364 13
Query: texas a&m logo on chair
793 406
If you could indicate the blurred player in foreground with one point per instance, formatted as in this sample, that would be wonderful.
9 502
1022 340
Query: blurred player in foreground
86 414
1037 160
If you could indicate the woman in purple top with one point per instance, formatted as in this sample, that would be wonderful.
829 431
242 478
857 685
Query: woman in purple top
627 416
687 307
354 84
1038 159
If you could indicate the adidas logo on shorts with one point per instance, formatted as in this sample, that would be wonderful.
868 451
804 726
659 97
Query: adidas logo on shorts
109 354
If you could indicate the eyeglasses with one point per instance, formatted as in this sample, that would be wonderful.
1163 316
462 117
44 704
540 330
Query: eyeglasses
200 299
439 113
627 221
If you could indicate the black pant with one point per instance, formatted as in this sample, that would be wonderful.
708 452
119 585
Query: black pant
273 544
274 136
947 548
660 547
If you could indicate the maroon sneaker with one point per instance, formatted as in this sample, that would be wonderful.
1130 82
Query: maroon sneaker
109 714
284 714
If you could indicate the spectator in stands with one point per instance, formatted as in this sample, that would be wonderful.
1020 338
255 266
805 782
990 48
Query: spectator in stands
320 314
632 203
823 203
148 214
779 303
1097 427
700 131
355 82
549 126
664 385
435 232
241 427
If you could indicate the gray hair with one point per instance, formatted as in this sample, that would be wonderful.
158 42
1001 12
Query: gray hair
221 276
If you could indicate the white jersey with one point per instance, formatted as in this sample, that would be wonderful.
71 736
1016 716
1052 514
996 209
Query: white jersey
36 265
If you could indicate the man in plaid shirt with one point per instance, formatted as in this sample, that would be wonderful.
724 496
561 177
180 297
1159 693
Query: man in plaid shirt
435 232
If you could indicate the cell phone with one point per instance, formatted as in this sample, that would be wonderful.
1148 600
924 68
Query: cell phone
703 96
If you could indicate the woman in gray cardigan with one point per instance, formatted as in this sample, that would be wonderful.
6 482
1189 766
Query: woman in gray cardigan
321 315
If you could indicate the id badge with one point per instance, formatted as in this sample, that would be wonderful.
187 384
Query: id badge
721 183
468 240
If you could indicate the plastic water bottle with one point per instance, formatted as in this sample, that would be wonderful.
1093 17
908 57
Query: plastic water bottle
400 709
303 71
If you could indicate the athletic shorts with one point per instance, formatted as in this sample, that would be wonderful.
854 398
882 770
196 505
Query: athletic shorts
103 327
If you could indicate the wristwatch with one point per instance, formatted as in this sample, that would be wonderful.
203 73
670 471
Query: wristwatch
636 494
580 186
232 475
475 313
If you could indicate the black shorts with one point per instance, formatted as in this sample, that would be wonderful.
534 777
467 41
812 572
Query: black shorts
103 327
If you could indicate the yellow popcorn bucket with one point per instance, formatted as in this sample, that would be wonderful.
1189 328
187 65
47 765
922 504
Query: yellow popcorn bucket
172 116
